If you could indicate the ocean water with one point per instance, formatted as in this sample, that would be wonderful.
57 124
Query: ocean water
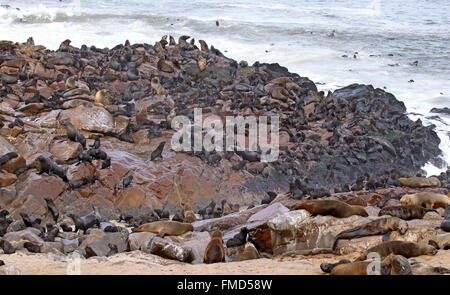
388 44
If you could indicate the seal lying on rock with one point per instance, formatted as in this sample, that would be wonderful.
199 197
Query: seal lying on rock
84 222
406 249
214 251
331 207
426 199
405 212
377 227
44 164
166 227
420 181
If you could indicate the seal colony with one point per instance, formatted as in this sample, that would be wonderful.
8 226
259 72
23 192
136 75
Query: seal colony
79 122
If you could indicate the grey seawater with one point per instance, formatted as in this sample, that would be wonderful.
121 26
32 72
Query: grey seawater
400 46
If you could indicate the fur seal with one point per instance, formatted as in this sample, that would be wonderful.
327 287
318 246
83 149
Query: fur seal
360 268
238 239
214 251
420 181
52 232
331 207
327 267
445 225
158 151
250 252
6 158
406 249
51 207
73 134
157 87
33 248
7 247
126 181
379 226
125 217
166 227
405 212
163 66
100 98
426 199
84 222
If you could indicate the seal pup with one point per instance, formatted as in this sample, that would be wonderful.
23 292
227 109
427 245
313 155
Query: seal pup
163 65
6 158
426 199
405 212
73 134
250 252
238 239
166 227
96 144
157 153
214 251
51 207
331 207
33 248
52 232
379 226
7 247
406 249
100 98
157 87
84 222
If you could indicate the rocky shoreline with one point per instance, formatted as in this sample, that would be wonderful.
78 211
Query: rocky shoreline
65 138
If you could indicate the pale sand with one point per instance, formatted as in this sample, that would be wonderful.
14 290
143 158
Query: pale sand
137 262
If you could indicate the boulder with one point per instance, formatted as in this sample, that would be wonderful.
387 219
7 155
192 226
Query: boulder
196 241
139 241
169 249
226 222
97 241
268 212
65 150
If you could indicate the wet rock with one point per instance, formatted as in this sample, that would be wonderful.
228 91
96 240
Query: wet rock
139 241
169 249
268 212
196 241
69 245
96 243
226 222
65 150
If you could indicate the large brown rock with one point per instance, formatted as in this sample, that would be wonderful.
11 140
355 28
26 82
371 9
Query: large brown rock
169 249
95 119
226 222
65 150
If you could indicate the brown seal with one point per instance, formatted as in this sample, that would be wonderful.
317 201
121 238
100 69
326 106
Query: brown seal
100 98
405 212
44 164
420 181
393 264
426 199
331 207
214 251
406 249
166 227
157 87
379 226
250 252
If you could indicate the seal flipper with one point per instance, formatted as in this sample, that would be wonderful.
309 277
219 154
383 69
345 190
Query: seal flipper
386 236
